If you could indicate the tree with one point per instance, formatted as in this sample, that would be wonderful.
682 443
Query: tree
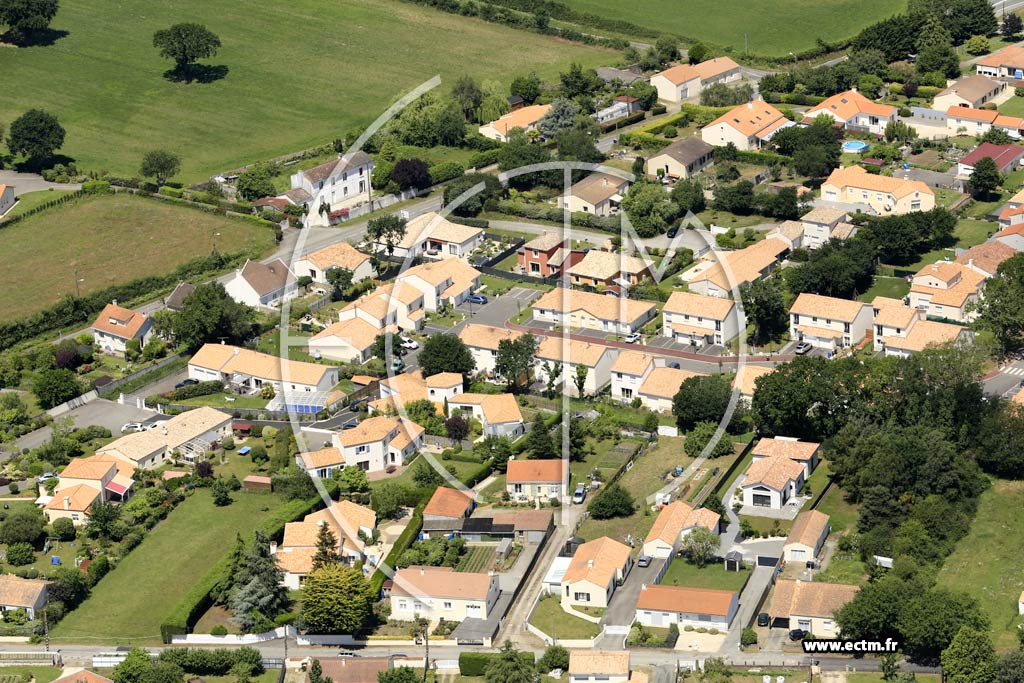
701 398
813 161
986 178
555 657
24 18
399 674
1012 25
561 116
209 314
515 358
580 379
613 501
697 53
970 658
578 81
1000 311
22 526
701 544
1010 667
467 94
55 386
528 87
335 599
102 518
473 203
553 372
688 196
64 529
387 499
387 230
539 444
577 145
411 173
898 131
316 673
352 479
221 492
764 307
186 43
35 134
497 448
870 85
701 435
159 164
20 554
737 199
838 269
578 433
257 182
977 45
446 353
258 585
340 279
650 209
939 59
508 666
930 620
721 95
133 668
326 548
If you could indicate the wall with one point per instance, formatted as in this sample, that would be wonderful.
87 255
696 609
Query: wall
248 639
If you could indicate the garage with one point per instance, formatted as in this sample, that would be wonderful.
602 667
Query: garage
766 561
798 554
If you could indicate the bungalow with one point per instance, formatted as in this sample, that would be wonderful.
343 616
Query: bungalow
629 371
551 359
598 194
528 526
972 91
884 195
249 371
810 605
332 186
596 570
108 478
945 289
661 606
74 503
806 453
660 387
829 323
1006 157
498 414
722 272
806 537
700 320
189 435
433 236
482 342
339 255
968 121
746 379
349 341
593 666
442 283
684 81
321 463
576 309
986 257
621 107
824 223
535 480
175 301
674 522
388 306
262 285
538 256
525 119
7 198
855 112
446 510
681 160
352 525
1007 62
436 593
603 268
772 482
921 335
625 76
116 326
748 126
17 593
1013 211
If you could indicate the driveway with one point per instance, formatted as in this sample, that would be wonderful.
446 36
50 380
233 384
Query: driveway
929 178
622 609
159 387
750 601
32 182
101 412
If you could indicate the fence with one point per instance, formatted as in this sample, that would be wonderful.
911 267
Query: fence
444 442
247 639
111 386
11 220
76 402
501 256
518 277
259 415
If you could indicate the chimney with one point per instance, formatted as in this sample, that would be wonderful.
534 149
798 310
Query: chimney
163 430
590 564
222 342
67 503
605 179
970 263
113 301
236 350
853 89
273 547
421 571
750 105
320 522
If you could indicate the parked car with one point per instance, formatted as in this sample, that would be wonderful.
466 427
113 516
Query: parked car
346 653
643 561
409 344
132 427
186 383
633 338
802 348
762 619
45 476
476 299
797 634
397 364
579 495
674 365
153 425
672 232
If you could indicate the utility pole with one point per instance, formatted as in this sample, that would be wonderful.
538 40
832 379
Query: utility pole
426 645
46 625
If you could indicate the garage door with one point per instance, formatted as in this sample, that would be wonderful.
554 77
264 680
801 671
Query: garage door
765 561
798 554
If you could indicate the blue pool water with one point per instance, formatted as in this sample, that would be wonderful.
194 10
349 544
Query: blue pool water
855 146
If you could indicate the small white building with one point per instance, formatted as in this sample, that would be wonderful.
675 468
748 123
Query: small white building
662 606
431 235
596 570
6 198
806 536
600 666
772 483
262 285
349 341
498 414
535 480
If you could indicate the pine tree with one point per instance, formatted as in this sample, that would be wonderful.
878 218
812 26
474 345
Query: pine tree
509 667
257 586
538 442
326 548
335 599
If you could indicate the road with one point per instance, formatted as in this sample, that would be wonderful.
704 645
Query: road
32 182
1007 381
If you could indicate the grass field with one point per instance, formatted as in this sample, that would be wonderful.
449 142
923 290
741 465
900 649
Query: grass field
1012 107
842 515
132 601
31 200
987 564
772 28
683 573
892 287
300 73
108 240
557 623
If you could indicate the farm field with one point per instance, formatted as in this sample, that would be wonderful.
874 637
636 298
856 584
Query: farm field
341 63
108 240
792 25
132 601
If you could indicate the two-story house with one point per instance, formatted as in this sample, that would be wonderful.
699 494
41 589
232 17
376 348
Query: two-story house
603 268
442 283
945 289
395 304
498 414
543 256
684 81
87 480
722 272
576 309
806 453
340 255
673 523
554 363
629 371
536 480
829 323
262 285
482 342
884 195
660 387
351 524
824 223
332 187
431 235
900 330
700 320
373 445
115 326
772 483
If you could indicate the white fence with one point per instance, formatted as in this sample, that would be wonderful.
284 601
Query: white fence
76 402
248 639
548 640
667 430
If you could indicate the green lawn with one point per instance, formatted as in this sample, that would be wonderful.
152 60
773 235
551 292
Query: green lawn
892 287
41 674
849 570
283 91
1012 107
842 515
132 601
108 240
683 573
225 400
31 200
987 560
550 618
771 28
971 232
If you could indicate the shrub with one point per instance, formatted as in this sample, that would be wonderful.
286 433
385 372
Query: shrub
96 187
194 390
658 109
13 488
228 443
476 663
64 529
449 170
20 554
219 630
481 159
748 637
168 191
670 132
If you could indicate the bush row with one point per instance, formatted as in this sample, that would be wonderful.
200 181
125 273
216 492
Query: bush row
449 170
11 220
792 98
542 212
479 474
624 121
216 662
402 544
645 141
194 390
481 159
472 222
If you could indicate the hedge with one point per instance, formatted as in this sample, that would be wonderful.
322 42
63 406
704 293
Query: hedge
475 663
481 159
11 220
472 222
625 121
96 187
449 170
763 158
169 191
644 140
402 544
793 98
479 474
215 662
194 390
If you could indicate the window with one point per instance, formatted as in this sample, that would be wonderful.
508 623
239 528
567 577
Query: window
627 393
344 191
453 249
344 176
534 253
362 185
402 604
517 488
446 605
581 597
362 449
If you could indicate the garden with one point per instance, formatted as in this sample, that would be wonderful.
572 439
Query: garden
550 618
682 572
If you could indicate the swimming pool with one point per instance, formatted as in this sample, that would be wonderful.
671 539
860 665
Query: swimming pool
855 146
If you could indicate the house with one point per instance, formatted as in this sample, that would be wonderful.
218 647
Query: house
968 121
884 195
660 387
806 536
353 669
1007 62
339 255
86 480
854 111
790 232
400 390
433 236
115 326
661 606
604 268
436 593
945 289
1012 236
262 285
674 521
446 510
535 480
772 483
985 258
73 502
810 605
1006 157
806 453
681 160
332 187
442 283
700 320
621 107
829 323
392 305
599 194
552 358
576 309
176 299
592 666
598 567
188 435
498 414
349 341
248 371
748 126
922 334
7 198
537 257
525 119
629 371
746 378
684 81
824 223
375 444
722 272
83 676
321 463
482 341
18 593
349 522
972 91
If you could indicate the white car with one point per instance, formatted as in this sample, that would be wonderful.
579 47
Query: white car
410 344
132 427
633 338
154 425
